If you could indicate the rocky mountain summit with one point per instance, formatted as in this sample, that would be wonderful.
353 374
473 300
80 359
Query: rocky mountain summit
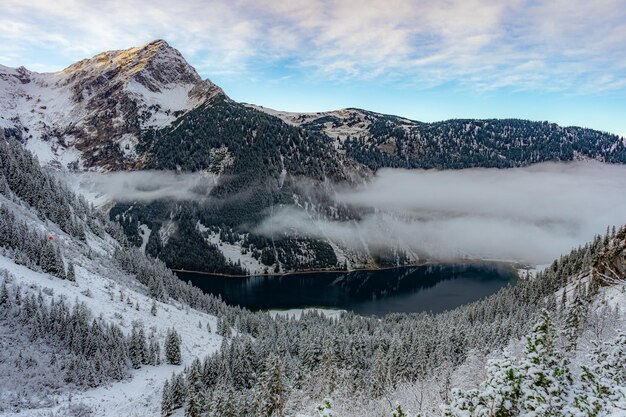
93 112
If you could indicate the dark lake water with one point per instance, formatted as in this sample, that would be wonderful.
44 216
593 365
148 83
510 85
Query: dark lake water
402 290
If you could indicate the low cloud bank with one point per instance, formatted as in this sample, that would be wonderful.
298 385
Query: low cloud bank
145 186
530 214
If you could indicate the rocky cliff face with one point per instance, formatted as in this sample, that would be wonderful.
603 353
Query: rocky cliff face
92 113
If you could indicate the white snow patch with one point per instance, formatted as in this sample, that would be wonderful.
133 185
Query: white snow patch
233 252
144 232
128 142
162 104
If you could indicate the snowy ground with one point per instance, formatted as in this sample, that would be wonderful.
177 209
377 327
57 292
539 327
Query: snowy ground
141 395
531 272
232 252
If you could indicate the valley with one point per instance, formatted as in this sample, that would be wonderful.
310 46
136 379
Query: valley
147 109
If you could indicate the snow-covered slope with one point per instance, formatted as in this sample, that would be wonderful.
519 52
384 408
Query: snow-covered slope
338 124
112 295
140 395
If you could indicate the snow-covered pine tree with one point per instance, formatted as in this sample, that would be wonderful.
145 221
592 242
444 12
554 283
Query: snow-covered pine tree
271 389
179 390
575 316
5 300
154 352
71 274
137 347
499 395
195 404
223 328
4 186
172 347
167 403
18 295
598 393
59 267
545 377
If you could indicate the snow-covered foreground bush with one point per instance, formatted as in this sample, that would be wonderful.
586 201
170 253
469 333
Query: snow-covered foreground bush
540 383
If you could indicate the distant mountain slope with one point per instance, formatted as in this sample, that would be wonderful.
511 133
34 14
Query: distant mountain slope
378 141
95 113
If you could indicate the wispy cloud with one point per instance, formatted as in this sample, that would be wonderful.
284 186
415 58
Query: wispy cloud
554 45
144 186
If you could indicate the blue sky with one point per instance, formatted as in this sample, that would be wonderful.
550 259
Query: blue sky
558 60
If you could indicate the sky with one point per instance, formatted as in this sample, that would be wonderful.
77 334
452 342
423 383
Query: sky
557 60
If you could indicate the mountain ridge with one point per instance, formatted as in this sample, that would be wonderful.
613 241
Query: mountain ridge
93 113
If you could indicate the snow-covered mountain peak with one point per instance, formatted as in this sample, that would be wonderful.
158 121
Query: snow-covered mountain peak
93 112
155 65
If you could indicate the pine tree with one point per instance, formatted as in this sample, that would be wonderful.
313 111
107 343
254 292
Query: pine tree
172 347
137 347
223 328
498 396
71 274
545 377
5 301
4 185
154 352
59 267
194 406
18 295
574 316
167 404
379 374
271 388
599 393
179 390
153 309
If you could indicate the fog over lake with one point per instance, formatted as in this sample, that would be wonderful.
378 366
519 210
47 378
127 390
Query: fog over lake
530 214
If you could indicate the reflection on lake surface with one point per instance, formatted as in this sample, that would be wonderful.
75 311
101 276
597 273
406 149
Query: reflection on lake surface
399 290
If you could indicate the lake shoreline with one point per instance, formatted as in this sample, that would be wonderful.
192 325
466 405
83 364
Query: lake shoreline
513 264
430 287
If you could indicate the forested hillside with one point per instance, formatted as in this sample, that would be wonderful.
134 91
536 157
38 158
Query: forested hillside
458 144
71 319
380 141
365 366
